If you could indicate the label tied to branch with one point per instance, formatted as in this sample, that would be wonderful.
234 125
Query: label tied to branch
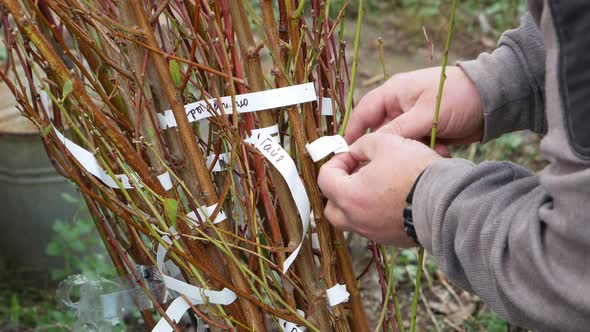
281 160
272 131
195 295
327 108
292 327
249 102
92 166
205 212
221 161
323 146
337 294
245 103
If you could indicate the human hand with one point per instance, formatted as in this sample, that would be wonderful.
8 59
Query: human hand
405 105
367 187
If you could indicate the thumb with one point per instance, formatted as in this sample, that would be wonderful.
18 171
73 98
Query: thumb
366 147
333 176
413 124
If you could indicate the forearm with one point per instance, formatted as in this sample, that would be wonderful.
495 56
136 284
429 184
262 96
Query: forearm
496 230
511 81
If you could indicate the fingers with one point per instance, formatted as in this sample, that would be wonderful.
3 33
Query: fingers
442 147
369 113
366 147
442 150
334 177
336 216
413 124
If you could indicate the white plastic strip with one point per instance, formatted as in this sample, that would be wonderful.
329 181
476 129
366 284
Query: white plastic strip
272 131
221 161
315 241
92 166
161 253
199 295
281 160
206 212
175 312
327 108
323 146
173 270
337 294
194 294
291 327
248 102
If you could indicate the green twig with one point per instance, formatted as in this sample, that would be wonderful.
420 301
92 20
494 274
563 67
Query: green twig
432 145
390 283
355 62
391 292
382 59
443 76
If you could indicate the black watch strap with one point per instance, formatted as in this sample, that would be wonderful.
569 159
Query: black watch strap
408 218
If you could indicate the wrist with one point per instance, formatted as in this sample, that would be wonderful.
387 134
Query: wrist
408 219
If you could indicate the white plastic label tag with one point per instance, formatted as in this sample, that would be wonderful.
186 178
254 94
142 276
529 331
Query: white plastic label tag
325 145
92 166
292 327
222 161
281 160
337 294
206 212
194 294
327 108
272 131
245 103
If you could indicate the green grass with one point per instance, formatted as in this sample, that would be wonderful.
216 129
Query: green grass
28 307
486 321
521 148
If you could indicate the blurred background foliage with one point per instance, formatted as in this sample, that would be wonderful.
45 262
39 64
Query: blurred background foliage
500 14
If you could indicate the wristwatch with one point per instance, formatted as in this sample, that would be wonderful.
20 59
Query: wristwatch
408 219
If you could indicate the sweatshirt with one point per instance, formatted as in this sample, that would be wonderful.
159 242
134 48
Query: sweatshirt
521 241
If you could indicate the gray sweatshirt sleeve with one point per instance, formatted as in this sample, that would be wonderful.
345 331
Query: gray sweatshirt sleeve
510 81
519 241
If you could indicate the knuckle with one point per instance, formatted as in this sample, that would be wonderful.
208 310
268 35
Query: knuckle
393 127
332 217
398 78
349 201
340 223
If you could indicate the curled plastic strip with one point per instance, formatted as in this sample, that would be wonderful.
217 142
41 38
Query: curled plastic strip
92 166
272 131
337 294
248 102
194 294
292 327
206 212
325 145
281 160
222 160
